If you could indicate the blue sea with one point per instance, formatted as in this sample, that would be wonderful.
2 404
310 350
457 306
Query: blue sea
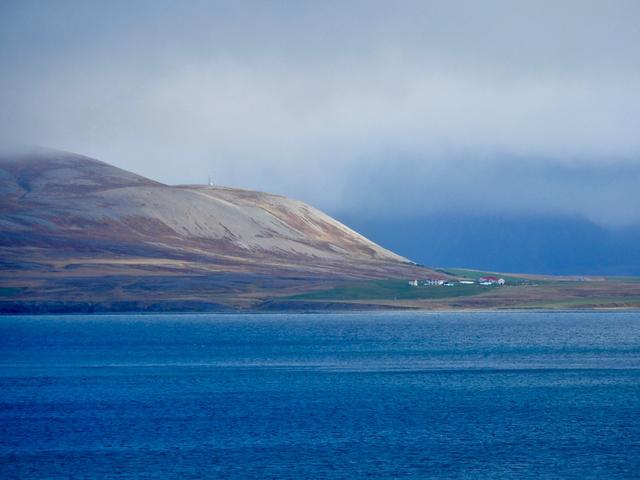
533 395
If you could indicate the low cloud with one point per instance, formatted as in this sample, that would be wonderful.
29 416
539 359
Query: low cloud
355 107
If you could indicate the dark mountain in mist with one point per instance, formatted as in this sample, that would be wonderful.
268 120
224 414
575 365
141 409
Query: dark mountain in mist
532 244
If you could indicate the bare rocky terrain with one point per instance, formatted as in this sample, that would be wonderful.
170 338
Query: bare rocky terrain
78 233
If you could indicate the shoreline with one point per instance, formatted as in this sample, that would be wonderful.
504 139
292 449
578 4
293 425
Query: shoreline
327 311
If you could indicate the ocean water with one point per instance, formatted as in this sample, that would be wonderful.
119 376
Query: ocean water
305 396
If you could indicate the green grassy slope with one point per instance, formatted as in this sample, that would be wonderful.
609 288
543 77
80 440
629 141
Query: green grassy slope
391 290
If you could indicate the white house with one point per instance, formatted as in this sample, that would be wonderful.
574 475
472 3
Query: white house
413 283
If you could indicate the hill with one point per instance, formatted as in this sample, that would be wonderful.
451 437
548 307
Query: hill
76 232
79 235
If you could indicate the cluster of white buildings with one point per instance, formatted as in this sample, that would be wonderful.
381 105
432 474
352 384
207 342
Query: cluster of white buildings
437 282
491 281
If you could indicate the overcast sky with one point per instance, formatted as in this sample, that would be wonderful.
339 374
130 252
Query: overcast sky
372 108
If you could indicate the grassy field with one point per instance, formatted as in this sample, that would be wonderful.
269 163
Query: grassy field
219 292
391 290
518 293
